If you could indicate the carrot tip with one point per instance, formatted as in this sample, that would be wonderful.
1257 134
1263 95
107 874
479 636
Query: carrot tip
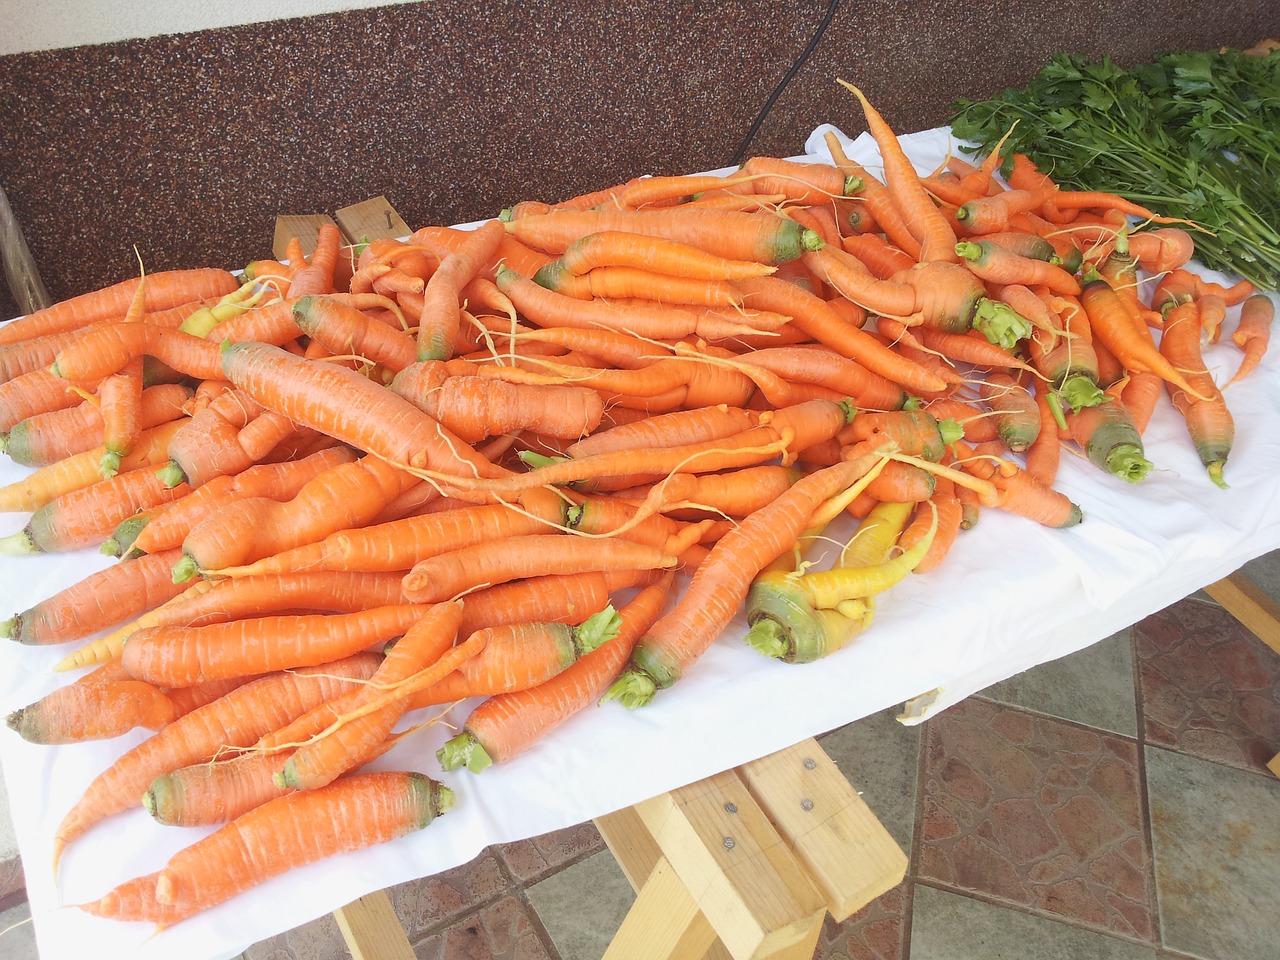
1215 473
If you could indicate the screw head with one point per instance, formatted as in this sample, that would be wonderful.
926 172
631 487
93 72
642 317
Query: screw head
806 804
731 807
728 843
809 763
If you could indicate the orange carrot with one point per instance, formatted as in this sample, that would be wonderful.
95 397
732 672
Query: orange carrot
96 602
1110 439
1133 347
1017 416
1019 492
880 201
1252 333
346 330
38 392
99 706
236 719
164 290
1044 454
558 599
1158 251
440 319
997 264
1208 421
344 405
351 814
946 527
103 350
449 575
317 275
620 248
507 725
48 437
344 496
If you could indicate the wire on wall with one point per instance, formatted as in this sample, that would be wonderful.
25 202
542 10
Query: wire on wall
782 84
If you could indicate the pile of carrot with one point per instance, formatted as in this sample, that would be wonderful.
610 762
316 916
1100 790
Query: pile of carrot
545 462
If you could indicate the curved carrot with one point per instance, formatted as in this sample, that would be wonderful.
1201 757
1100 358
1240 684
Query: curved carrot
997 264
1252 334
1208 421
346 330
1112 325
1017 416
104 350
879 200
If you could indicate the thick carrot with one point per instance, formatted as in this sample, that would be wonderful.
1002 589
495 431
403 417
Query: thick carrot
344 405
176 656
96 602
877 254
1252 334
346 330
559 599
39 392
80 471
236 719
720 585
1208 421
48 437
622 248
1132 345
1019 493
449 575
1162 250
215 792
103 350
167 526
164 290
1110 439
764 238
95 707
997 264
439 322
677 428
1017 416
916 432
342 497
302 827
847 275
217 601
509 724
944 519
990 214
317 275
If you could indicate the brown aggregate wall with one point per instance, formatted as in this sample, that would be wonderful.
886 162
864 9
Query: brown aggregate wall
189 145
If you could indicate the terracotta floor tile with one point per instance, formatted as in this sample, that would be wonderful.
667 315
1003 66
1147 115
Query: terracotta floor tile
1209 687
873 933
318 940
429 901
1037 812
503 930
11 877
533 858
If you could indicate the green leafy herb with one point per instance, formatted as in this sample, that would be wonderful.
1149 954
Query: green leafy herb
1193 135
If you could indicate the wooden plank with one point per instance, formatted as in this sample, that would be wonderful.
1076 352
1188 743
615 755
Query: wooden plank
306 227
664 923
371 219
753 891
1253 608
1274 765
845 849
372 929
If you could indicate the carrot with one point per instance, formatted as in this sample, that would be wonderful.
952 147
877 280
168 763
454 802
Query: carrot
944 519
105 349
236 719
731 234
477 407
177 656
847 275
948 297
317 275
1110 439
1208 421
92 709
85 517
1252 334
734 493
997 264
211 443
699 425
1020 494
915 432
448 575
817 319
38 392
324 758
214 792
976 425
166 527
1017 416
877 254
1139 392
344 496
344 405
990 214
1044 454
346 330
509 724
1161 250
880 203
1133 347
94 603
218 601
45 438
547 599
164 290
439 322
1068 200
937 238
298 828
972 348
79 472
660 255
721 581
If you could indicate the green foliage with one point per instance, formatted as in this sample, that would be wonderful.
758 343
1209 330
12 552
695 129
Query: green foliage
1193 135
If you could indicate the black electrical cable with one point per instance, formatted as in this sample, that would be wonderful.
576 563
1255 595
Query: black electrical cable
782 84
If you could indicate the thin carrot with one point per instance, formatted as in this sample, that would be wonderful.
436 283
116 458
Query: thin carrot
997 264
440 319
1020 493
448 575
105 349
351 814
1044 454
236 719
507 725
1252 334
317 275
165 289
879 200
177 656
621 248
720 585
1208 421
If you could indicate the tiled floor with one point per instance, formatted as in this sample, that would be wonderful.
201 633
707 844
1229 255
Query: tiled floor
1113 805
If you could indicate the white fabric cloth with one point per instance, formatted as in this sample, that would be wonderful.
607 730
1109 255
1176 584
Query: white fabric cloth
1011 595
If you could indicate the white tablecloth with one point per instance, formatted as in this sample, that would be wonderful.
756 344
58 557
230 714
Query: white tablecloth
1011 595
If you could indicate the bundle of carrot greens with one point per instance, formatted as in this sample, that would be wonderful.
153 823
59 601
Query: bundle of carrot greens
1195 135
469 464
